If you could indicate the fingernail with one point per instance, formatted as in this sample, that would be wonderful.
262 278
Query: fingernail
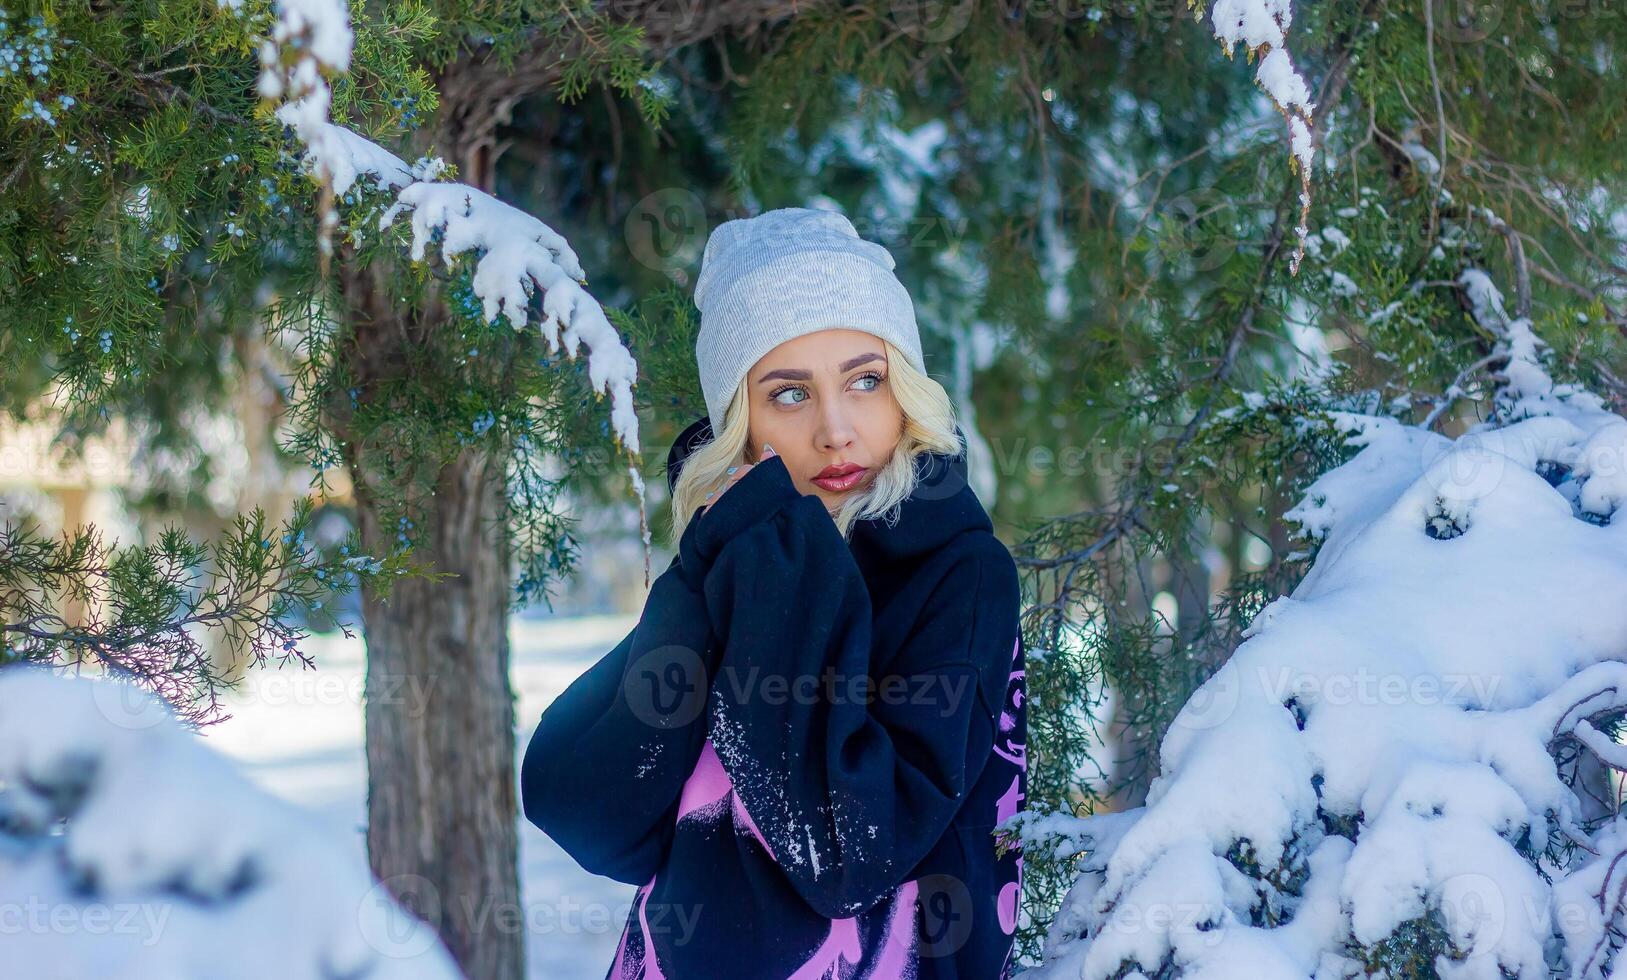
767 449
711 495
731 470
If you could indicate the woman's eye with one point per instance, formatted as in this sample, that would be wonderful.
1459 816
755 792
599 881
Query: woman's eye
874 379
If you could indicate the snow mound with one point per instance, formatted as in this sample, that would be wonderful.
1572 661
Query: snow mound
1403 766
129 849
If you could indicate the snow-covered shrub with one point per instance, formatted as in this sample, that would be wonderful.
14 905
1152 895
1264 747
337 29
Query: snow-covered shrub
1404 770
128 848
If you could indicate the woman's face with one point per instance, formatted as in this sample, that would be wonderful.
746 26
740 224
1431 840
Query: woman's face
823 401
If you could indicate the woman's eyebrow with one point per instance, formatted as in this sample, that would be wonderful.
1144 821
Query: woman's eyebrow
803 374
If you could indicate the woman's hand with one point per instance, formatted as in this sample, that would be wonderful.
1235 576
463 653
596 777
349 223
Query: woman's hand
735 473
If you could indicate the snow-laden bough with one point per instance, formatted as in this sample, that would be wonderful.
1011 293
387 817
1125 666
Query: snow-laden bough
130 849
517 253
1405 760
310 41
1261 26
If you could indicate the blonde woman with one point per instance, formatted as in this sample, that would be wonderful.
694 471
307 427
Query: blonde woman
801 750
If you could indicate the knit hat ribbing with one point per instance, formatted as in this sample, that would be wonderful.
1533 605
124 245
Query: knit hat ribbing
784 273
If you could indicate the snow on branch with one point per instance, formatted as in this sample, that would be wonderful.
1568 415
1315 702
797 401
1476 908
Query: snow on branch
129 848
1261 27
341 156
310 42
516 253
1406 760
1525 389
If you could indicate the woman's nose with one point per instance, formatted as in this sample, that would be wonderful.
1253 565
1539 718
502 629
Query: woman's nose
836 431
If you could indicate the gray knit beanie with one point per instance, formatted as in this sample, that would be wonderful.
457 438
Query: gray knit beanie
785 273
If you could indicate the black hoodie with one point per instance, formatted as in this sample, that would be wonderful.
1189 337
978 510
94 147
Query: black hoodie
801 749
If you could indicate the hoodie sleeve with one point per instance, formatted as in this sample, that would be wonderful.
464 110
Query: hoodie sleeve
850 779
604 770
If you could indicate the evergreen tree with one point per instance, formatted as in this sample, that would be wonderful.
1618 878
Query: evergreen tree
1099 215
158 163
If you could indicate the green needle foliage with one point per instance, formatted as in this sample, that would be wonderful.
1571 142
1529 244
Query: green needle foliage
157 242
138 612
1091 205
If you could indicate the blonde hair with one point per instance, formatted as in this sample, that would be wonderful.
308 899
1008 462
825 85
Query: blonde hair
929 424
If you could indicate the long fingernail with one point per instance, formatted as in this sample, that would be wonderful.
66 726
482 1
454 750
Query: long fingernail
730 470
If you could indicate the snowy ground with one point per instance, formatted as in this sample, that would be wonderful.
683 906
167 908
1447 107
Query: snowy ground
298 733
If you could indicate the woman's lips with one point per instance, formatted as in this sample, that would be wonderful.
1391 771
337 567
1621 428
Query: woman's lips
838 484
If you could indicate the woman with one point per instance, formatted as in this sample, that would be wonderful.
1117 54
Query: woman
800 751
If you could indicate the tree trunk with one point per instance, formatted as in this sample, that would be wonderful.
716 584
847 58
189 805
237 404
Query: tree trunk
441 808
441 803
